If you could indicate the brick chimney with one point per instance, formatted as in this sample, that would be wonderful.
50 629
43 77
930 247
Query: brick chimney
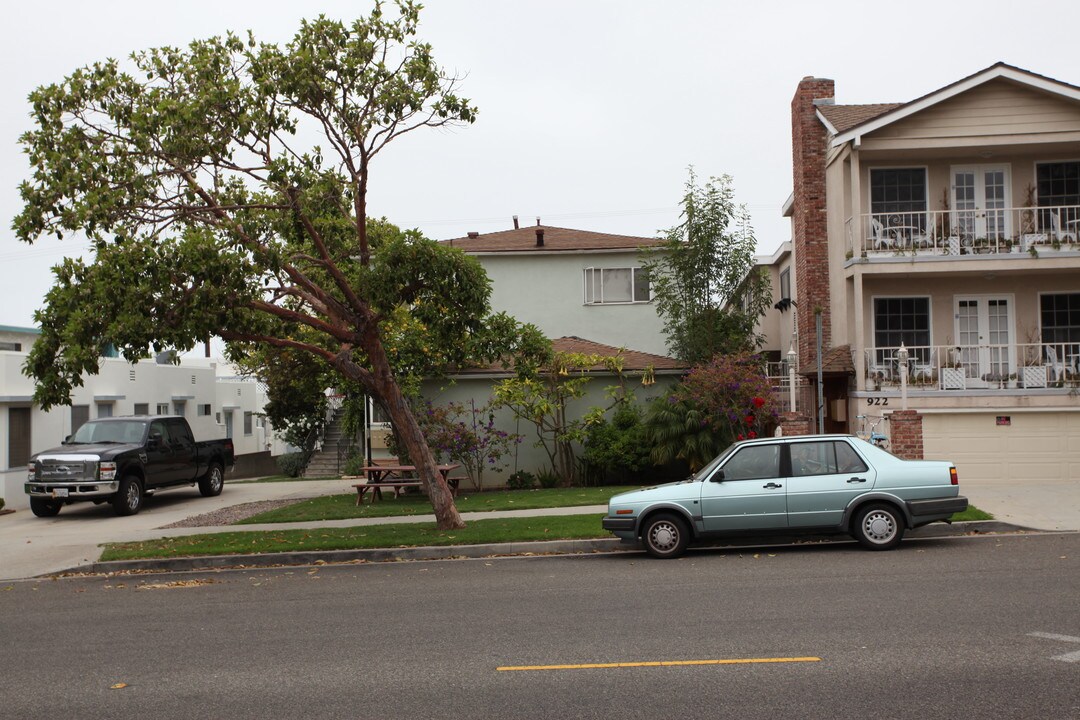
811 239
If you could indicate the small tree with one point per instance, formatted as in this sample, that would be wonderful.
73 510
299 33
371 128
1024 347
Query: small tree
702 276
224 188
540 394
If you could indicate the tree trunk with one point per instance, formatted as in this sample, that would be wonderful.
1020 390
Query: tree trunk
385 387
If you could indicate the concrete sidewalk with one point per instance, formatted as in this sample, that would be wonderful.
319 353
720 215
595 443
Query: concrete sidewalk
31 546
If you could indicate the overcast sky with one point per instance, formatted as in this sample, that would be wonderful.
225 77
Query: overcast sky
589 112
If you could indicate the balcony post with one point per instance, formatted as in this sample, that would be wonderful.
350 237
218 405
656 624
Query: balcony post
902 357
792 358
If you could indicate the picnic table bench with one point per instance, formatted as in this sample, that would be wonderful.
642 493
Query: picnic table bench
397 478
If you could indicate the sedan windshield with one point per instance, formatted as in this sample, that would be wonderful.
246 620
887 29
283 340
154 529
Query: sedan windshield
712 464
105 432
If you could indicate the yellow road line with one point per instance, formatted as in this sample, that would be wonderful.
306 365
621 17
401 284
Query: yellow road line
661 663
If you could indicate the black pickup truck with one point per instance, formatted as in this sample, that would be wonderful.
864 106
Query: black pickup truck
121 460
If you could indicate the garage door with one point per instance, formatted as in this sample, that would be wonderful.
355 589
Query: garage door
1022 446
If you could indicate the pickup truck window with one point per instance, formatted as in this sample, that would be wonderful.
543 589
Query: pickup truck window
159 428
180 433
119 432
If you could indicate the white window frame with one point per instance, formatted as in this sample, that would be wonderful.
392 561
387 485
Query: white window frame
590 279
873 316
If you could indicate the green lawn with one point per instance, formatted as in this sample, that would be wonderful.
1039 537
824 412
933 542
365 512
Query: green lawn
972 513
340 507
377 536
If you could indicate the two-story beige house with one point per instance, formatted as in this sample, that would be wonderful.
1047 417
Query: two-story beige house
948 225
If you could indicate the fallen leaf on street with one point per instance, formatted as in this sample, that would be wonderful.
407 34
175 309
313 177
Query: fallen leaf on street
175 584
118 686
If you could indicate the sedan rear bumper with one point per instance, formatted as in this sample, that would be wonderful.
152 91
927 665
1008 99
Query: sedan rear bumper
920 509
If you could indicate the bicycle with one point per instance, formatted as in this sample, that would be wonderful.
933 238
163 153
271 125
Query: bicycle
874 437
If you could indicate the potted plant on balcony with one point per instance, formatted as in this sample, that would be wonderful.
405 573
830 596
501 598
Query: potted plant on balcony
953 375
1010 383
1033 372
1029 235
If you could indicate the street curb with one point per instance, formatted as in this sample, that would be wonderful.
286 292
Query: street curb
447 552
313 557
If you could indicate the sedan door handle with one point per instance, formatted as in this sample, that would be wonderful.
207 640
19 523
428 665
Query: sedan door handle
857 480
772 486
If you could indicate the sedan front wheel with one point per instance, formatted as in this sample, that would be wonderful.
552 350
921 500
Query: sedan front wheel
665 536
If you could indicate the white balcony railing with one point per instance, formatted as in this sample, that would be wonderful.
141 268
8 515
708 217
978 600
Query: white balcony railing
974 367
1032 230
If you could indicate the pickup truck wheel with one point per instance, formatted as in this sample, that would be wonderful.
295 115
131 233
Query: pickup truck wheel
45 508
665 536
129 497
212 482
878 526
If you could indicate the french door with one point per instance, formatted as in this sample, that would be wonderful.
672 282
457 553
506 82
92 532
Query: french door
984 335
980 195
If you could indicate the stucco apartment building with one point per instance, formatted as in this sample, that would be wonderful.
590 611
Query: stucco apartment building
215 402
948 225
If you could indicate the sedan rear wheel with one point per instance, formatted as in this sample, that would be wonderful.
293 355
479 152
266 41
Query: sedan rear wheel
665 536
879 527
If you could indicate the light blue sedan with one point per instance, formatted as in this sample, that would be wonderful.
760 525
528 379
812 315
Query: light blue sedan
831 483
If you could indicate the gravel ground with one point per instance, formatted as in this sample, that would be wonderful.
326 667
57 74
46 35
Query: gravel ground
234 513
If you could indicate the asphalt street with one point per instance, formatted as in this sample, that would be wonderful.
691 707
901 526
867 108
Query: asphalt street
966 627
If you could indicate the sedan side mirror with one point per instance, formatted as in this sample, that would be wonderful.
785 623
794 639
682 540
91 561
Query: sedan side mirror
717 476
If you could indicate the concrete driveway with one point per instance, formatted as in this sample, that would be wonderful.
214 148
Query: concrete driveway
1042 505
31 546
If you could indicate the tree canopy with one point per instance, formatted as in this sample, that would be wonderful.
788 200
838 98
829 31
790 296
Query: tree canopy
224 188
703 279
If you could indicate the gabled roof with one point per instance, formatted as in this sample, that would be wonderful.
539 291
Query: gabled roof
836 361
867 118
841 118
633 360
555 240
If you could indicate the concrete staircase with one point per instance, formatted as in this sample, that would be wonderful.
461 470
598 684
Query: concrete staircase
325 461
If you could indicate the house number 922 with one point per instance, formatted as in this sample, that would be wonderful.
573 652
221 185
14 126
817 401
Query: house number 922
877 401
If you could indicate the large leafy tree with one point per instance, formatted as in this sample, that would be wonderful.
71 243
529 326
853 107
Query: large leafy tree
703 276
224 187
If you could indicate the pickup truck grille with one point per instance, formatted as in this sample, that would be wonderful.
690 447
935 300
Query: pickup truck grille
65 470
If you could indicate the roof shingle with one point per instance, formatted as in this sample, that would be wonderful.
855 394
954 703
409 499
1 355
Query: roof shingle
845 117
555 240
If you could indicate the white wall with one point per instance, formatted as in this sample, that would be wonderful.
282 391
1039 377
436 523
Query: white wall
548 290
120 386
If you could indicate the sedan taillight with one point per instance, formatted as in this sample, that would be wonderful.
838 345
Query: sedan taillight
952 476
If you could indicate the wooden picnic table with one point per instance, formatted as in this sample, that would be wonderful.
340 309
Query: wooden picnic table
397 478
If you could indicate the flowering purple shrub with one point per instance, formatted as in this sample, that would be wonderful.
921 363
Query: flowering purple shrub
466 434
734 394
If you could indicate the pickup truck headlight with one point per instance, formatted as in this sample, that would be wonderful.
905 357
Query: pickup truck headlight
107 471
31 471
